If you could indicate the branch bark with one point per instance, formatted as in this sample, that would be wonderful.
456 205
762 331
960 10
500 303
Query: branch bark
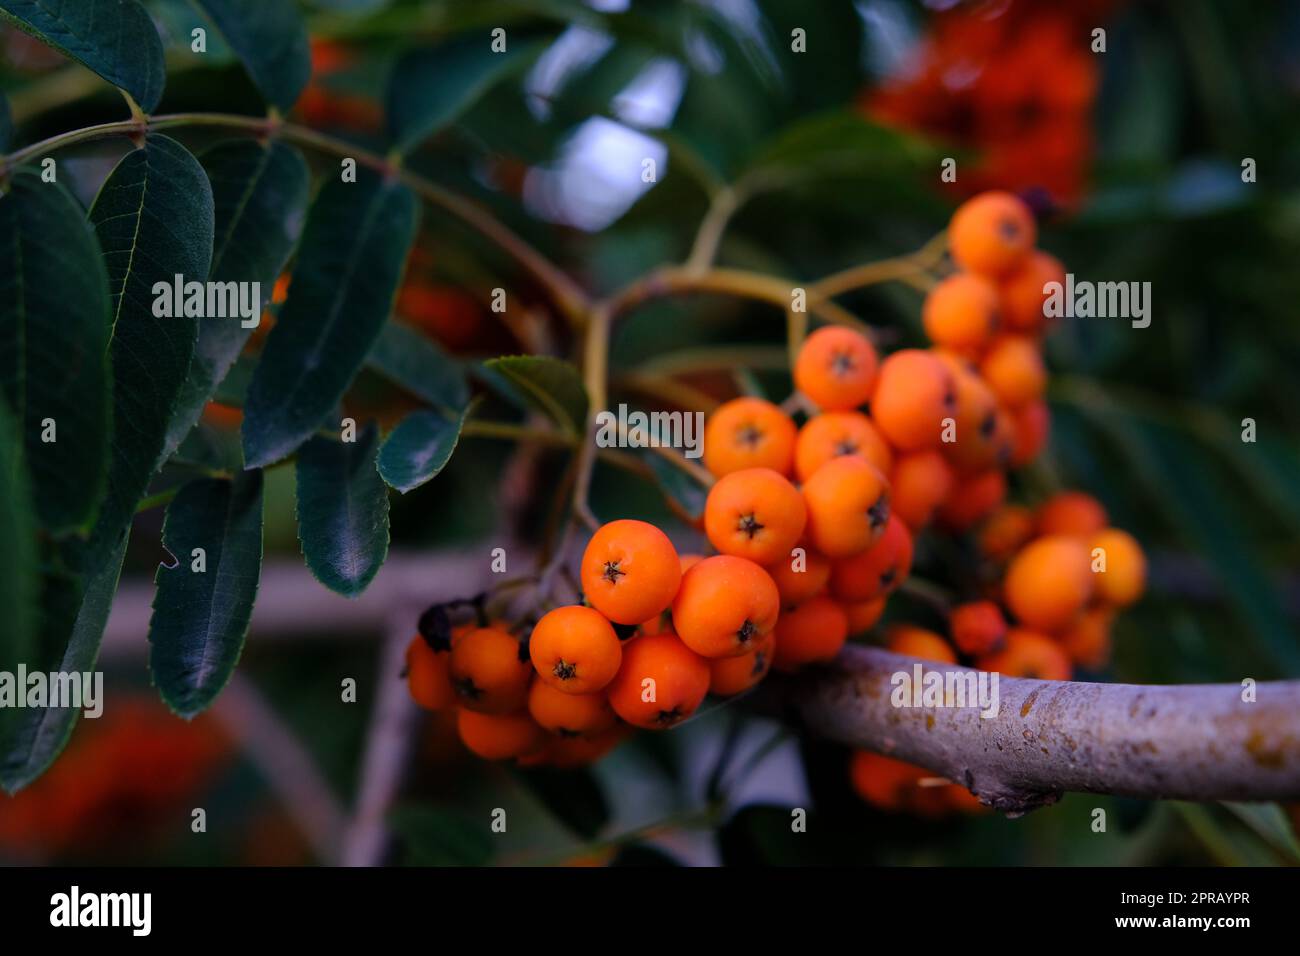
1185 742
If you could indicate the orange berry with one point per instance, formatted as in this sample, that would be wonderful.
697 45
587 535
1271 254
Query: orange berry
921 482
884 782
1027 653
977 627
1030 426
833 434
992 234
754 514
729 676
498 736
973 499
961 312
877 571
661 682
748 433
487 671
1022 296
427 675
630 571
848 506
810 633
864 615
1125 574
980 439
575 650
569 752
1072 512
919 642
1013 367
1087 640
913 396
799 579
836 368
1049 582
724 605
569 715
1005 531
689 561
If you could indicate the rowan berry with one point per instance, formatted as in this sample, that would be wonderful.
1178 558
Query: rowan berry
799 578
992 234
575 650
1022 292
1087 640
1072 512
1030 426
836 368
919 642
427 675
1049 582
977 627
980 439
878 570
630 571
1028 653
848 506
1123 578
915 392
961 312
569 715
488 672
864 615
810 633
919 485
1004 532
973 499
499 736
884 782
729 676
569 752
748 433
661 682
754 514
1013 368
833 434
724 605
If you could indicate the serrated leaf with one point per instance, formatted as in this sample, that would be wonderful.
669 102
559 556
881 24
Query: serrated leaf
270 38
430 88
18 582
418 448
342 511
153 217
409 359
114 38
353 249
258 197
552 385
72 625
200 618
54 333
434 837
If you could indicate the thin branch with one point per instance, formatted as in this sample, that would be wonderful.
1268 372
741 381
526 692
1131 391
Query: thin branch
1191 742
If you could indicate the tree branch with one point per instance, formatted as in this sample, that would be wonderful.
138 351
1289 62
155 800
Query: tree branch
1183 742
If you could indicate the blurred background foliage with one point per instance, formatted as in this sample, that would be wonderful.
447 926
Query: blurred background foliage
1133 155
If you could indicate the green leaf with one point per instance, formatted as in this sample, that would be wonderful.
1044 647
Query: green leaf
411 360
552 385
573 796
349 264
436 838
342 511
839 141
54 332
200 619
418 448
73 624
258 196
18 583
270 38
153 217
431 88
677 484
114 38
